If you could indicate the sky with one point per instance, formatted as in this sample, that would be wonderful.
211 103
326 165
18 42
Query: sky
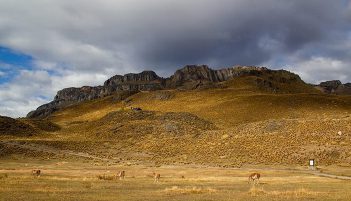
48 45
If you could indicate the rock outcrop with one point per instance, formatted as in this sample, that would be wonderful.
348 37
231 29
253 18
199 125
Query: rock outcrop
192 73
144 81
335 87
192 76
189 77
131 83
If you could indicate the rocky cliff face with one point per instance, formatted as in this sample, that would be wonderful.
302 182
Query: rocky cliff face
131 83
335 87
192 77
204 73
189 77
144 81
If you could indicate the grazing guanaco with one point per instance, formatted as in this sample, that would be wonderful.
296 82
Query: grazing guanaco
156 177
255 177
36 173
121 175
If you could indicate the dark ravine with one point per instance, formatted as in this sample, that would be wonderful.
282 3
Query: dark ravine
187 78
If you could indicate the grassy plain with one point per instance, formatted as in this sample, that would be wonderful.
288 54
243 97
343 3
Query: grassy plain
77 180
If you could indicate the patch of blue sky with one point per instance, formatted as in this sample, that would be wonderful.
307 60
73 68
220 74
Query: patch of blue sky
6 76
11 62
53 72
14 58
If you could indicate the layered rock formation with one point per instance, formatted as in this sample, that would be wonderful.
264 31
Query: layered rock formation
335 87
193 73
146 80
131 83
193 77
189 77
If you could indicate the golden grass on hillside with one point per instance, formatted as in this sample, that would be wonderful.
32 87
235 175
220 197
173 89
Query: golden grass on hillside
240 101
228 126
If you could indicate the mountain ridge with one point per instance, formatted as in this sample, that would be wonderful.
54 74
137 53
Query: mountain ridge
187 78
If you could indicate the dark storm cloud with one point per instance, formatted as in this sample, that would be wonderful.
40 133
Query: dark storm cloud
252 34
167 33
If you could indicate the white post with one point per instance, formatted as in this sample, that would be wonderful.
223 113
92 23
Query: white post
312 165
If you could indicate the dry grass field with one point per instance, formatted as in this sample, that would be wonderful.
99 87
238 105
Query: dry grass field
78 180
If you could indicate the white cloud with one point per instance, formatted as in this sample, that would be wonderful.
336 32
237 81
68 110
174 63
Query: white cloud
20 108
19 96
74 79
318 69
31 89
2 73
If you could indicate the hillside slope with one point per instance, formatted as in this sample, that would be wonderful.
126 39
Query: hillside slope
25 127
236 123
254 118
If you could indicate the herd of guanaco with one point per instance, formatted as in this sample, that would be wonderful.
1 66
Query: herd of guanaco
254 177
